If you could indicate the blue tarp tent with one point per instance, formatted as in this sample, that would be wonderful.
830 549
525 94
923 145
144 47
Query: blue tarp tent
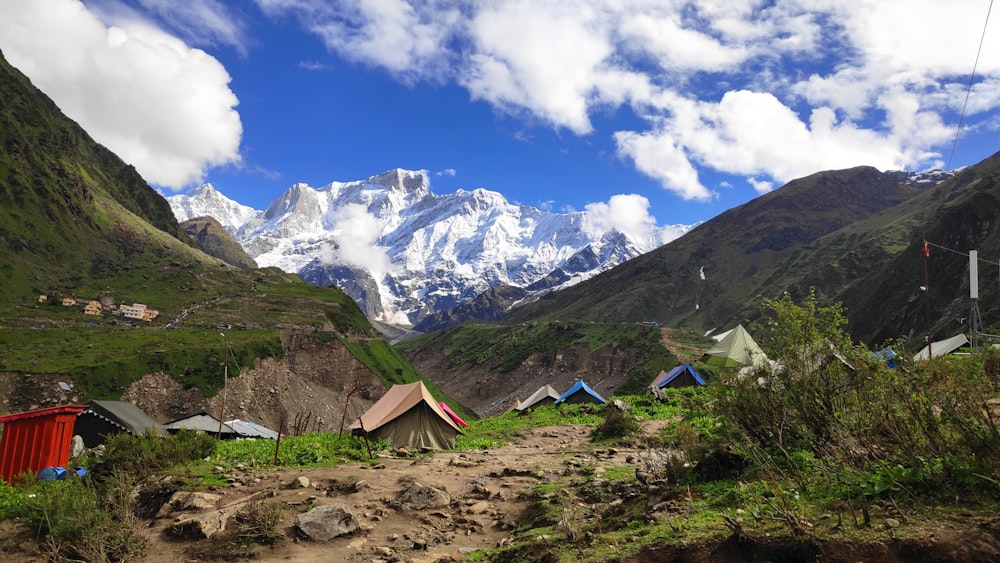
580 393
681 376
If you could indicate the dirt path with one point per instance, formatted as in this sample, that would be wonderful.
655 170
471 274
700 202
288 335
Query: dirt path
487 491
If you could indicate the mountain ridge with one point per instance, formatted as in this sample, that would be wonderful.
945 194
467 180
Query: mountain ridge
406 254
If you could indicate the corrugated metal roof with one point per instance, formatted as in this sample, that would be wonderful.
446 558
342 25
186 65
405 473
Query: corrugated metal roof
127 416
202 421
248 429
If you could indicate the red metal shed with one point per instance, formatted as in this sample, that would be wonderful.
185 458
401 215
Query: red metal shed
36 439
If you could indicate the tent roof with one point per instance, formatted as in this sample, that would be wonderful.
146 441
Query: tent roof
202 421
453 415
543 392
721 335
737 348
127 416
579 387
396 401
665 377
247 429
941 347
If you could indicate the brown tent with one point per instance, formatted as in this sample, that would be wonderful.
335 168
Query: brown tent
409 417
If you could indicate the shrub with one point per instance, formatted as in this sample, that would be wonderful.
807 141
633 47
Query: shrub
140 456
617 424
254 525
81 520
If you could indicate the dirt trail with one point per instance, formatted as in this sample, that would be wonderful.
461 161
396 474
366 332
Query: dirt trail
487 491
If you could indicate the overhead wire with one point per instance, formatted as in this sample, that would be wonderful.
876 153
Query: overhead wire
960 253
968 90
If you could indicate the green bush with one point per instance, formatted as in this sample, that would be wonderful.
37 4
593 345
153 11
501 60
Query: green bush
616 425
77 519
921 428
295 451
140 456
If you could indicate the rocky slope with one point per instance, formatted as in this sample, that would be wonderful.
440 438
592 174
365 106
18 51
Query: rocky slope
321 382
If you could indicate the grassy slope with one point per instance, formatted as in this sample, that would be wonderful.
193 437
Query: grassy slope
738 252
77 221
855 235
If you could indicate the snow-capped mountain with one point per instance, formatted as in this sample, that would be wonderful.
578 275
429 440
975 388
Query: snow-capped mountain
206 201
404 253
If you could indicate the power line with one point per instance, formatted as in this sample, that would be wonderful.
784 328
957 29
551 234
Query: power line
960 253
968 90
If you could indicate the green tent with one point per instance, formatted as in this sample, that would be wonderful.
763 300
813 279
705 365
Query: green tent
736 349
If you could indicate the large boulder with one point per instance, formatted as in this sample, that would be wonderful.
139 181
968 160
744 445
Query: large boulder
419 497
326 522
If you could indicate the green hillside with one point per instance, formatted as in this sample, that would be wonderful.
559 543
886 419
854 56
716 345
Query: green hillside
855 235
77 222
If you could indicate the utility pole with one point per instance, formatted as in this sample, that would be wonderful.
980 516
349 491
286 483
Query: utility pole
225 381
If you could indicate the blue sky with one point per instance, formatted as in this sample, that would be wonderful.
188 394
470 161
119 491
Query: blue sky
695 107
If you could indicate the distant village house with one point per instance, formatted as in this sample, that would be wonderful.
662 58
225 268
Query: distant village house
138 311
93 308
68 302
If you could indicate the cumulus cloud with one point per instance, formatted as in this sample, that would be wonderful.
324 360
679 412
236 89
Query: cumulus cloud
763 90
760 186
625 213
769 91
160 105
356 232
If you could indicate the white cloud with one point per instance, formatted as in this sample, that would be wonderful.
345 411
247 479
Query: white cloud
446 172
760 186
771 91
625 213
764 90
356 231
163 107
197 22
407 40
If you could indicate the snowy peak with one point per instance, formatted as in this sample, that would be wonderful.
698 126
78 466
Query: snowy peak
206 201
400 180
405 254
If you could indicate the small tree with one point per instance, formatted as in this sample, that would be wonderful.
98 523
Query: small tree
794 401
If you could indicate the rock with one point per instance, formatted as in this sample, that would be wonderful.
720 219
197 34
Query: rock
326 522
200 526
891 523
419 497
384 551
300 482
76 446
188 500
481 507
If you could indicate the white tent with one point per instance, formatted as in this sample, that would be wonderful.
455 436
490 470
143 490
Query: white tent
941 347
545 395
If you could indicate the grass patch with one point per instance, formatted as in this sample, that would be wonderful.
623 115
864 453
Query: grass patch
496 431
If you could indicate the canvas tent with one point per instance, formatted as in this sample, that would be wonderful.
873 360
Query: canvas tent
683 375
458 420
580 392
545 395
104 418
409 417
737 349
941 347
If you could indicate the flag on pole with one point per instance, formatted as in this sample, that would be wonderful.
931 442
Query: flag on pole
927 249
